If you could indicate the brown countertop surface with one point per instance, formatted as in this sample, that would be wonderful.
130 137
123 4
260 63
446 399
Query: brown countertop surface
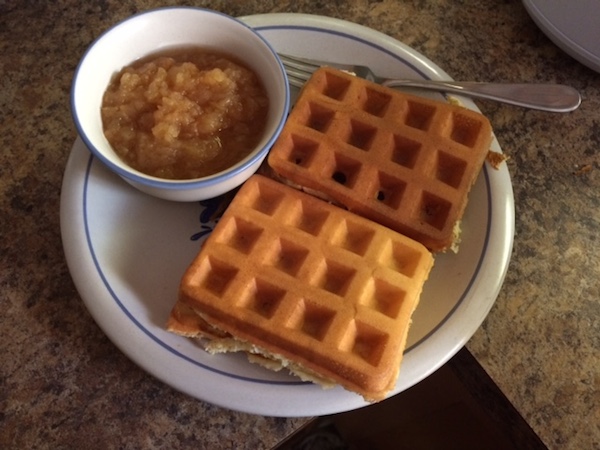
63 384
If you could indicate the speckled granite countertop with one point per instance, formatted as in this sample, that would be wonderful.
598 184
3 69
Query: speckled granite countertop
64 385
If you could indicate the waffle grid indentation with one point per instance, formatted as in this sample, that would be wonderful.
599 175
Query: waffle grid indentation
405 151
335 87
318 117
383 297
333 277
306 217
216 276
311 319
374 102
266 200
389 190
419 115
465 130
286 256
302 151
364 341
353 237
343 170
359 135
262 297
240 234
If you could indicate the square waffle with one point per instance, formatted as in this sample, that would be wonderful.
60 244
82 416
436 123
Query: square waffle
324 292
401 160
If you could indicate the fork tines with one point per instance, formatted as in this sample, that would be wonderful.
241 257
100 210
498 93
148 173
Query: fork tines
298 70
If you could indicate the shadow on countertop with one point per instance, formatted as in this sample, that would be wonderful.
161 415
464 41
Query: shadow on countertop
457 407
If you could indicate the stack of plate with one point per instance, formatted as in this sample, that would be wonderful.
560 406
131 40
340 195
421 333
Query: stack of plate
573 26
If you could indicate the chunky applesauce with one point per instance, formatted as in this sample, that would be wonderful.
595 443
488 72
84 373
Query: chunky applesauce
184 114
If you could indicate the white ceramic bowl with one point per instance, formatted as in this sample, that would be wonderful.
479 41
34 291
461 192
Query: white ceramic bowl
160 29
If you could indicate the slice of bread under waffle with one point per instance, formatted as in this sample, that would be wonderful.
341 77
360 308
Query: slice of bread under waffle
401 160
306 285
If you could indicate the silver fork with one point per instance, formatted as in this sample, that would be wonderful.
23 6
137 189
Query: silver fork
545 97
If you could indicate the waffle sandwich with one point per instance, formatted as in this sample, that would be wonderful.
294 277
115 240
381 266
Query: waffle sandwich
299 283
400 160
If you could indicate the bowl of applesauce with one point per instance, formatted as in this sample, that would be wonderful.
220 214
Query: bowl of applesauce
183 103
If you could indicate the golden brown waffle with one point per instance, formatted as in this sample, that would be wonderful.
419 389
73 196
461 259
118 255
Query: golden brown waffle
398 159
309 284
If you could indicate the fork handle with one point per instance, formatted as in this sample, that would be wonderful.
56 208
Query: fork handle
545 97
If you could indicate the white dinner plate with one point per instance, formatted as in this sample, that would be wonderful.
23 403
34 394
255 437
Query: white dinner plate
127 251
572 25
